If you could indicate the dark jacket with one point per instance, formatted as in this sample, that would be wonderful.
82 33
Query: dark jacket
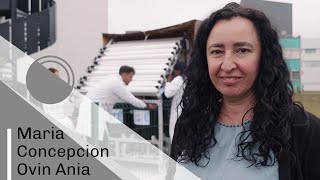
305 145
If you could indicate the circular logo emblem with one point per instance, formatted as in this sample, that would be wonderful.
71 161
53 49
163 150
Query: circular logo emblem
50 87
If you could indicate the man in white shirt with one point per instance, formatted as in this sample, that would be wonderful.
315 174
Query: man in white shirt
56 111
174 88
113 89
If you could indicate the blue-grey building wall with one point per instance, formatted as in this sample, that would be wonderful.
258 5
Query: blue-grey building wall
280 14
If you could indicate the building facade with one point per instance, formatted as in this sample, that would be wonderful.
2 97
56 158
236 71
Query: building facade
310 64
292 54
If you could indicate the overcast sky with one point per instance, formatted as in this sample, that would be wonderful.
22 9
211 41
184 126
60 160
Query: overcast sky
128 15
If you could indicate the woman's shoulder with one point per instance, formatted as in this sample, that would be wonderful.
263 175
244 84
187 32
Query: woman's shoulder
306 126
306 143
304 119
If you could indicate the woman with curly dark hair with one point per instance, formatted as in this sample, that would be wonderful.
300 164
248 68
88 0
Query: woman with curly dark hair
238 118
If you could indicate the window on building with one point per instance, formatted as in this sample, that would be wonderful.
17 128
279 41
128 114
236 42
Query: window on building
312 64
295 75
310 50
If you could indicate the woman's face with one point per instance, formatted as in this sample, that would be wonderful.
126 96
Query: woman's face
233 54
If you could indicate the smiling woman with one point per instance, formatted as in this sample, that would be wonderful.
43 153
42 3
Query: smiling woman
238 118
233 56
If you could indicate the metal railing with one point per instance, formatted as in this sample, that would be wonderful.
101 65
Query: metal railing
152 125
31 31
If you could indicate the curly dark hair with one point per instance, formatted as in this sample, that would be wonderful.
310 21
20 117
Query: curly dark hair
271 123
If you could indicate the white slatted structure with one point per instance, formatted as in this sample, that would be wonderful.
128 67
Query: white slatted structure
7 72
151 59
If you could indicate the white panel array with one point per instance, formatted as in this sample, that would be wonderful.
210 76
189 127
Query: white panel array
151 59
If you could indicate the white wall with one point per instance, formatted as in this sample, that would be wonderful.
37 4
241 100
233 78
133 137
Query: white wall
310 65
80 25
310 42
311 87
291 53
